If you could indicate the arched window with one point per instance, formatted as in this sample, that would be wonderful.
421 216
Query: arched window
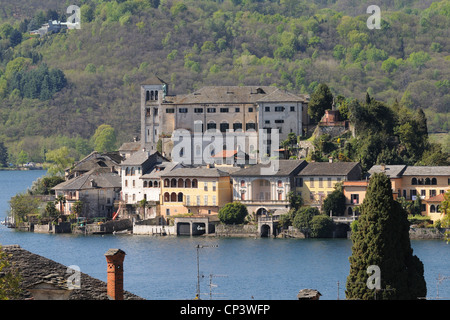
155 184
156 95
166 182
350 211
173 183
242 183
173 197
127 171
180 183
152 95
420 181
434 181
166 197
145 184
150 184
414 181
194 183
187 183
180 197
237 126
427 181
432 208
132 171
280 183
438 208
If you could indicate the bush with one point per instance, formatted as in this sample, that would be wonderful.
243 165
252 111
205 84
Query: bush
233 213
321 226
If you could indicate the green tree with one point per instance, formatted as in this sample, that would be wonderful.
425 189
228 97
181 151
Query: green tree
58 161
321 100
295 200
382 239
233 213
104 138
22 205
3 155
303 218
334 203
22 158
321 226
50 210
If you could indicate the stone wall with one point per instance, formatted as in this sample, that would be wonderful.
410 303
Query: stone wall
427 233
236 230
154 230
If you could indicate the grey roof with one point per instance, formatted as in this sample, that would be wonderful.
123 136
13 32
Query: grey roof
138 158
35 269
392 171
285 168
103 178
159 169
152 80
238 94
427 171
200 171
328 168
96 160
130 146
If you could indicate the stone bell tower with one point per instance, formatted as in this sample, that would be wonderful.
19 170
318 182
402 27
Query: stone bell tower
153 93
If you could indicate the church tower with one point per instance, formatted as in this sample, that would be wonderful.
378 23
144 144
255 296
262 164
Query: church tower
153 93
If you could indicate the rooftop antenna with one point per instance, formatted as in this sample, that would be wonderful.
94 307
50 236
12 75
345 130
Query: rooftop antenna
198 246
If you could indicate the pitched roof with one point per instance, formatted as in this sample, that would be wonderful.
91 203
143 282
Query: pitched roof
96 160
328 168
392 171
159 169
285 168
35 269
438 198
427 171
200 171
152 80
130 146
238 94
102 178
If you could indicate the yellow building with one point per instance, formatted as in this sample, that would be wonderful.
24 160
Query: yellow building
318 179
195 190
410 182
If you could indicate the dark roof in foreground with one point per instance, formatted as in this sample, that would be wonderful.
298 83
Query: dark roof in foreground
34 269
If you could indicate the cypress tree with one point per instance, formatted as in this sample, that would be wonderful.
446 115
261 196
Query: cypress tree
381 238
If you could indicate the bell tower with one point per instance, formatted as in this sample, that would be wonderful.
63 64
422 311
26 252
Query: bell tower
153 93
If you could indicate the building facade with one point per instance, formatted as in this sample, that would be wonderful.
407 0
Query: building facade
318 179
262 193
240 112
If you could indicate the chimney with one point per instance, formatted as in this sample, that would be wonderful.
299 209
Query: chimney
383 167
114 260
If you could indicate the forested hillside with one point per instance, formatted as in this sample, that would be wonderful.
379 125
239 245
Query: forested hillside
57 90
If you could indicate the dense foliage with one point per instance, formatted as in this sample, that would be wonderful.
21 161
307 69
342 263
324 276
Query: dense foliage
293 44
381 238
233 213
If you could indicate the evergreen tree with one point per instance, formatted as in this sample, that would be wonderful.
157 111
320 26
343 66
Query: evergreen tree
321 100
381 238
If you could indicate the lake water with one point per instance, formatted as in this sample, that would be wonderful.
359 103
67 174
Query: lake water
165 268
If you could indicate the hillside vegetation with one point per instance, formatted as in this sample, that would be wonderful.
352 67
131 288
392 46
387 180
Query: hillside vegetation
92 75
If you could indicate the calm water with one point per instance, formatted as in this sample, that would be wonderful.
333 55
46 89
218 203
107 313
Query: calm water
165 268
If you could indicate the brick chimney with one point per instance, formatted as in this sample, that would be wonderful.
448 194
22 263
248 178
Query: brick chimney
114 260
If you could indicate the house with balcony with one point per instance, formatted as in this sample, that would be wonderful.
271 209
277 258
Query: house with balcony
200 191
318 179
354 192
265 193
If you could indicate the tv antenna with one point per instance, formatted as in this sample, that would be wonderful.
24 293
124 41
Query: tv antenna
198 246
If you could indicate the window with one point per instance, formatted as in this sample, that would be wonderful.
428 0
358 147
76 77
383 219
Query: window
434 181
167 212
280 183
267 121
329 182
211 126
198 110
354 198
214 200
194 183
250 109
432 208
188 200
224 127
292 109
187 183
134 183
147 112
320 183
214 186
155 111
267 109
223 110
414 181
173 197
422 193
279 109
250 126
237 126
211 110
279 121
432 193
311 182
180 197
299 182
237 109
205 186
198 200
206 200
183 110
170 110
126 183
